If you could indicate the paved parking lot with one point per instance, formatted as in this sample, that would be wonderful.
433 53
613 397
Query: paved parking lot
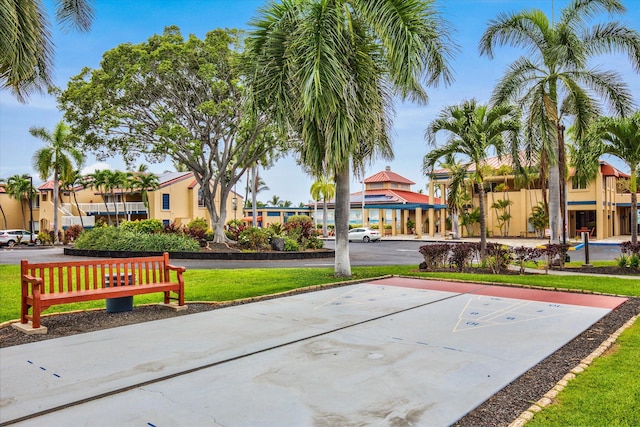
386 352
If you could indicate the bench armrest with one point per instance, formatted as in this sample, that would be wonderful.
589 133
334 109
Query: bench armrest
176 268
33 280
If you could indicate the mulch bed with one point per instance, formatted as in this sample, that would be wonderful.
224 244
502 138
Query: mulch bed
499 410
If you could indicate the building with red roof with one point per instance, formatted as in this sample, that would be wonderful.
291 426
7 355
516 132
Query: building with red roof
387 202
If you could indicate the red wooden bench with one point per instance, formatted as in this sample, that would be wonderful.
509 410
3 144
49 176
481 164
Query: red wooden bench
52 283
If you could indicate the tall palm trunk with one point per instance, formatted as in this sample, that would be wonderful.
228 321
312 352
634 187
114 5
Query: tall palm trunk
634 205
4 217
56 196
483 221
554 203
75 199
342 264
254 196
325 211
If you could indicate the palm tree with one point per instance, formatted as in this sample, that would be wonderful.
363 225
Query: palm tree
473 130
327 71
619 137
97 180
56 158
115 180
323 189
456 191
146 182
25 41
549 82
275 200
72 181
19 188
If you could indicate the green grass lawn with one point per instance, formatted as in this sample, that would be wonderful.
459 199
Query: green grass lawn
608 393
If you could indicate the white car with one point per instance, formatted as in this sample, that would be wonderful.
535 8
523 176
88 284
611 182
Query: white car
12 237
364 234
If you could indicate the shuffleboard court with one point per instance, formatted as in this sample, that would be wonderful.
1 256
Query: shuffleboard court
388 352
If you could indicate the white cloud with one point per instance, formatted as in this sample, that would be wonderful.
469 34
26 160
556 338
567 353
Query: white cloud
94 167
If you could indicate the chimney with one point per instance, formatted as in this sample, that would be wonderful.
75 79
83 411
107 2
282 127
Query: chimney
388 168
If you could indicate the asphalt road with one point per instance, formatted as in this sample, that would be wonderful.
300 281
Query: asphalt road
390 252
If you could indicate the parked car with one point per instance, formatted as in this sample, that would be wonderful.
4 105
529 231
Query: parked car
364 234
12 237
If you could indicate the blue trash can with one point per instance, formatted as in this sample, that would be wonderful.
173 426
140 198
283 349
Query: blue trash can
119 305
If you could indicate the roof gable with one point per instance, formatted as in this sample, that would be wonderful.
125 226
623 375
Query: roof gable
388 176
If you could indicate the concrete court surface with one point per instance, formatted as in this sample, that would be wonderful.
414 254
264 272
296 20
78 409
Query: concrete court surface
395 351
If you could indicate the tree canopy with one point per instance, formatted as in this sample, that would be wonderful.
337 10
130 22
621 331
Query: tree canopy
175 98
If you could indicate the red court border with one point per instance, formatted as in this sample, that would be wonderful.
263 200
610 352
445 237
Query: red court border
556 297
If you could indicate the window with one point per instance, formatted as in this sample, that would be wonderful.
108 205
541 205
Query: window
166 222
165 202
200 198
577 185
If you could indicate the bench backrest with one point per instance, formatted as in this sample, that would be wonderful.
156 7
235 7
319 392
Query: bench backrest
94 274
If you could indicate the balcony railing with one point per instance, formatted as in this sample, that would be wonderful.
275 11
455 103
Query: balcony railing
87 221
122 208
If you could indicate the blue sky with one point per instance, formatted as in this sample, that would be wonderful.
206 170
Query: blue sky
132 21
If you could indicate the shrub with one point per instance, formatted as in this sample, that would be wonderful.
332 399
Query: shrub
461 255
72 233
556 254
197 229
499 257
314 242
522 255
253 238
234 228
143 226
173 228
119 239
291 245
299 228
630 248
622 260
634 261
45 238
435 255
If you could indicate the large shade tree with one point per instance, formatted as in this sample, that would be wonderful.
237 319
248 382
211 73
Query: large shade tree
553 79
175 98
327 72
26 46
59 158
619 137
472 131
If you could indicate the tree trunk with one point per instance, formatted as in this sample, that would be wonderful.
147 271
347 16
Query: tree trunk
455 225
562 171
254 196
554 203
56 195
634 206
325 210
342 207
483 221
4 217
75 199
